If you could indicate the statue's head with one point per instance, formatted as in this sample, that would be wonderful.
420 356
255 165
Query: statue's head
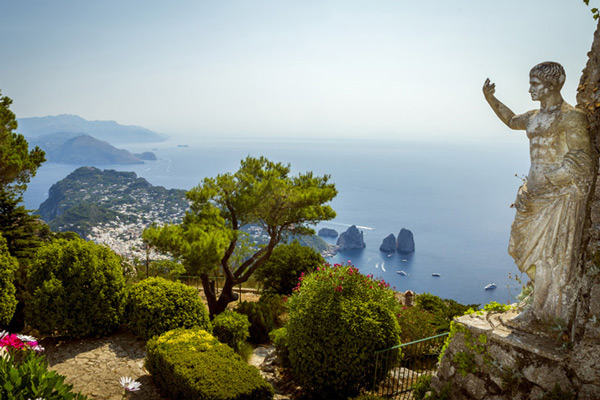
546 77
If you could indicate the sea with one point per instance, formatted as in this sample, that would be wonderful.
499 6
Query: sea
455 197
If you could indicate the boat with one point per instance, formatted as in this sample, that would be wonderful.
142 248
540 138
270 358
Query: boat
402 273
490 286
404 260
389 255
435 274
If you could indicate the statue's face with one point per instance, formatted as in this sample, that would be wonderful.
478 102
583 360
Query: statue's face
537 89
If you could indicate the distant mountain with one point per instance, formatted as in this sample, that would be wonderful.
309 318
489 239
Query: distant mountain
104 130
96 203
82 149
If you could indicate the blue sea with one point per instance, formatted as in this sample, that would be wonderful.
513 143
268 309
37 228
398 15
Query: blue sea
454 196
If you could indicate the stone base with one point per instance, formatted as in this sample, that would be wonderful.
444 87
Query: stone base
487 359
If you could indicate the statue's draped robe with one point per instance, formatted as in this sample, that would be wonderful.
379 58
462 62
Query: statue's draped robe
546 234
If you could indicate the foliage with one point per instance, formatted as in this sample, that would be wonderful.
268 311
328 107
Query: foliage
416 323
156 305
8 300
421 387
231 328
280 273
279 337
443 310
594 10
76 289
23 232
338 319
167 269
494 306
366 396
17 163
31 379
261 192
264 316
192 364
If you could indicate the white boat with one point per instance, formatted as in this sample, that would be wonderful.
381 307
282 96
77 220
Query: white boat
404 260
402 273
435 274
490 286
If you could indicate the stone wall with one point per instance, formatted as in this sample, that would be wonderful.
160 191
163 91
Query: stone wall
486 359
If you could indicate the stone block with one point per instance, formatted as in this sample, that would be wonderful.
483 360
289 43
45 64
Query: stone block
589 392
585 362
547 377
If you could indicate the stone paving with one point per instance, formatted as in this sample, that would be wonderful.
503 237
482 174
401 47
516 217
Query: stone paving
94 366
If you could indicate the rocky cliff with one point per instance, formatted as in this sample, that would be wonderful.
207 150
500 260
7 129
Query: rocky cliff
405 242
389 244
351 239
327 232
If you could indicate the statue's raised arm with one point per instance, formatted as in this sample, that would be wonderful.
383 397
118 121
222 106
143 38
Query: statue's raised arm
546 235
503 112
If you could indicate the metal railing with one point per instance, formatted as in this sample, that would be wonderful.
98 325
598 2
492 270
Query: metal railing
404 365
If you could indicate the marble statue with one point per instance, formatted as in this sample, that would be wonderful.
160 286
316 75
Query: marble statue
546 235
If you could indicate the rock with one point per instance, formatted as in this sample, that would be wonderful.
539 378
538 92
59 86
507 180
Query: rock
351 239
389 244
405 242
147 155
328 232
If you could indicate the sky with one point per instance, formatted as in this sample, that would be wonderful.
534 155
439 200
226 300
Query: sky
391 69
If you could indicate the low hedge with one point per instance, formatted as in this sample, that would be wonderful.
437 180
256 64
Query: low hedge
231 328
192 364
156 305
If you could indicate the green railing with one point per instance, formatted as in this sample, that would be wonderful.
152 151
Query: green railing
406 363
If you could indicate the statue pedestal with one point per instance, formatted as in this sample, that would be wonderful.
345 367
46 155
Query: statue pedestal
489 360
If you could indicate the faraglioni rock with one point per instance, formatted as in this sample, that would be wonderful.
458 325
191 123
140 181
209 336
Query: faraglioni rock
328 232
389 244
406 242
351 239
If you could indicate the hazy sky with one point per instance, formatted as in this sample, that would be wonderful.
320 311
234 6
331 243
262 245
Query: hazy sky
310 68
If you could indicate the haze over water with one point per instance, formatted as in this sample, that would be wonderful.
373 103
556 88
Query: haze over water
455 198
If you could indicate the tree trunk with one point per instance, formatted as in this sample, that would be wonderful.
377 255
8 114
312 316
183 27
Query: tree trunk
217 306
588 100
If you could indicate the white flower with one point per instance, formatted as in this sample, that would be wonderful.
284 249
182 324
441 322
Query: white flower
26 338
38 349
3 334
3 352
129 384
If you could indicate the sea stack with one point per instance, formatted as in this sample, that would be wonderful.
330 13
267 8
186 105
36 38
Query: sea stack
351 239
405 243
327 232
389 244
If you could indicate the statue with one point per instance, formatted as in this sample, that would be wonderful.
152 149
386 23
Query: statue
546 235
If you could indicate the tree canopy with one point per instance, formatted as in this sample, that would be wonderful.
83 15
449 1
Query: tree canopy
17 163
261 193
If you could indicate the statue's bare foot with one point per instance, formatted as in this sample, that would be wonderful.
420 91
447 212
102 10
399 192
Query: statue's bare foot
525 320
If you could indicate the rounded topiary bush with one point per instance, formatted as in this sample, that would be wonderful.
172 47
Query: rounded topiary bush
190 364
75 288
338 319
156 305
231 328
8 300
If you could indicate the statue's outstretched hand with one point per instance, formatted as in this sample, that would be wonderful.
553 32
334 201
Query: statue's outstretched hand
489 88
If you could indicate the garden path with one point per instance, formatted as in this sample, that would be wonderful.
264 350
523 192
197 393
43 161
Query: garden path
94 366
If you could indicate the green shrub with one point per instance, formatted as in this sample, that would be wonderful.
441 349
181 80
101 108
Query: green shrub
231 328
76 288
421 387
338 319
280 273
192 364
8 299
416 323
264 316
156 305
279 337
31 379
443 310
